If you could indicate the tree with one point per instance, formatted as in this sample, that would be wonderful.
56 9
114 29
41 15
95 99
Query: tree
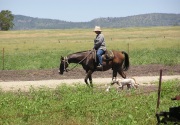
6 20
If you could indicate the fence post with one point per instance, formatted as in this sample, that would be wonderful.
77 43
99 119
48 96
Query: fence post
128 48
159 89
3 59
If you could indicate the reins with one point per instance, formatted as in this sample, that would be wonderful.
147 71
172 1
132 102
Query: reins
79 61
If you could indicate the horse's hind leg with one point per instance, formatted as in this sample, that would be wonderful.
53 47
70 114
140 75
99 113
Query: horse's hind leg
122 73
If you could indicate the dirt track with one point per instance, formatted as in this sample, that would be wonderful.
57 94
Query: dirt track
14 80
26 85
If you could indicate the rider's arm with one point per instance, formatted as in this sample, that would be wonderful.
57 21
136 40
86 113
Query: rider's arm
98 41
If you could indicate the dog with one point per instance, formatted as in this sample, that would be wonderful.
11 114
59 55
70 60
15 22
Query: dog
130 82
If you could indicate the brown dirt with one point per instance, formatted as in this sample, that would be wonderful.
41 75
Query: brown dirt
77 73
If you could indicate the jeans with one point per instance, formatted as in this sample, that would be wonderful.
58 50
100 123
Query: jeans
99 55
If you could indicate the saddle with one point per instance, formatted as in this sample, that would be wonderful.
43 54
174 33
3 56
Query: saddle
108 55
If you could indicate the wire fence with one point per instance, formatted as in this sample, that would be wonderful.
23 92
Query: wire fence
30 59
47 59
152 52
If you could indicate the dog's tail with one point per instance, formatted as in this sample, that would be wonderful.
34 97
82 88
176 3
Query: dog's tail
134 79
136 84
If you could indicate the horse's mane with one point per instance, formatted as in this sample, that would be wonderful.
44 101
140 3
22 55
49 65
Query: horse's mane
81 51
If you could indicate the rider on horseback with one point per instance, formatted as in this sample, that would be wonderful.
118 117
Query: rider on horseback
99 44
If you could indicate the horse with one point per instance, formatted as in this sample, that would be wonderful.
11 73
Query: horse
119 63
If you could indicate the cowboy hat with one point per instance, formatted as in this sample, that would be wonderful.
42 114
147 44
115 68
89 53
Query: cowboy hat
97 28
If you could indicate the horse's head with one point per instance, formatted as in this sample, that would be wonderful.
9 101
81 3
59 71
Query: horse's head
63 65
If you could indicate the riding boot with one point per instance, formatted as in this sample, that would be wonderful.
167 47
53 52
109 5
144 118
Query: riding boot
99 66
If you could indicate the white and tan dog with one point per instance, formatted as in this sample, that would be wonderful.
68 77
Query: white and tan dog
129 82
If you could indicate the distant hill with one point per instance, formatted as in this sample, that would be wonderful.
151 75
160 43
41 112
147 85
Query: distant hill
144 20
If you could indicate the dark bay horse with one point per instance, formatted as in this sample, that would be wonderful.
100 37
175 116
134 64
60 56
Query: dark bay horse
119 63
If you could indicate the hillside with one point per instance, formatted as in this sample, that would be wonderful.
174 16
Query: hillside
155 19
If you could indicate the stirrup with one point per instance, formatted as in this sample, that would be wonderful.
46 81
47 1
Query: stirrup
99 66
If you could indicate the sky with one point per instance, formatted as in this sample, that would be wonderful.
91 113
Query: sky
87 10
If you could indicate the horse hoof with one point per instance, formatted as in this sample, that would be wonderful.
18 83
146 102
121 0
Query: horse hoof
107 90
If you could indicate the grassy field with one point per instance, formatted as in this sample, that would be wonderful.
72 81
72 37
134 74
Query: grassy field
41 49
80 105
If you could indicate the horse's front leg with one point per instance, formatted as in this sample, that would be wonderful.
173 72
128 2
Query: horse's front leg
90 78
114 75
86 80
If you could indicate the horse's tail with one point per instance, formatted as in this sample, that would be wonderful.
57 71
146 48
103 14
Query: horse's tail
126 61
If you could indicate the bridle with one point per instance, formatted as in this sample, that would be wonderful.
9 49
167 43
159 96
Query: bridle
65 60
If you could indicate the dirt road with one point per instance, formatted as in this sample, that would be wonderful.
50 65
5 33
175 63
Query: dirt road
24 79
26 85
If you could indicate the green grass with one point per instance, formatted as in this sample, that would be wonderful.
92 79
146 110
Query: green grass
80 105
41 49
165 56
51 59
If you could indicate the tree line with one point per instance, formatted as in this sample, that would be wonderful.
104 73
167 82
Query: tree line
19 22
144 20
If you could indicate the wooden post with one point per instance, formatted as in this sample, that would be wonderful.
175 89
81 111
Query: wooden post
128 48
3 59
159 89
